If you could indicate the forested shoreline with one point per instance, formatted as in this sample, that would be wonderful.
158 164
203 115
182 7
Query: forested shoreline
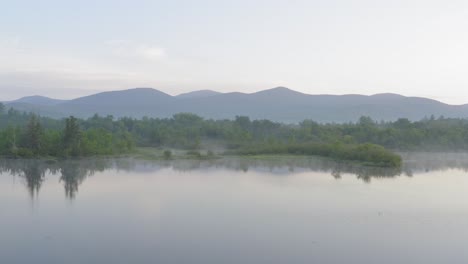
26 135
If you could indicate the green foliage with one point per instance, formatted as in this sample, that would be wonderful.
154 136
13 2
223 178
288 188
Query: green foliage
24 134
167 154
33 140
367 153
97 142
8 141
33 136
72 137
194 153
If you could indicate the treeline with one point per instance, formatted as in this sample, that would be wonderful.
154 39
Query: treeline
189 131
23 134
64 139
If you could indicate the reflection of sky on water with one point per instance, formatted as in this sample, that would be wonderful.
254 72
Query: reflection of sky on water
232 211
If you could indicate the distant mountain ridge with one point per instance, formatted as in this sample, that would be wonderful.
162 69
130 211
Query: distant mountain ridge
277 104
39 100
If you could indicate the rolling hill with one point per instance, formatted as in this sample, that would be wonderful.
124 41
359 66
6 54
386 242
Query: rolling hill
278 104
38 100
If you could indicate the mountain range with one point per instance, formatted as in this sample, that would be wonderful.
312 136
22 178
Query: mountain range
278 104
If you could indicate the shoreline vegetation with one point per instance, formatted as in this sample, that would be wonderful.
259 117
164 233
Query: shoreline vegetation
188 136
363 154
367 154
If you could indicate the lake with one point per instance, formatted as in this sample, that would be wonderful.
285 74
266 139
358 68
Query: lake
272 210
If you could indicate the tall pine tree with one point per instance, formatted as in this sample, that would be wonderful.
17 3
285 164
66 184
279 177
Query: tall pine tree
72 137
34 135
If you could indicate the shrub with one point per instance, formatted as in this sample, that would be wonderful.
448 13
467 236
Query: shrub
167 154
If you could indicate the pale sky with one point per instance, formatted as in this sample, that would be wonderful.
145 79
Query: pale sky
65 49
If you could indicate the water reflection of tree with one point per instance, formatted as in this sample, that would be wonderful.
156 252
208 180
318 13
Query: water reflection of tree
414 163
72 172
289 165
32 171
276 166
72 175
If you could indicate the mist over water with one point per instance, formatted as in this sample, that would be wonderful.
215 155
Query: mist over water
234 210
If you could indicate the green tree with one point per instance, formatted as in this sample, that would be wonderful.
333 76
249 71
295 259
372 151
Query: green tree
72 137
33 135
167 154
8 142
243 122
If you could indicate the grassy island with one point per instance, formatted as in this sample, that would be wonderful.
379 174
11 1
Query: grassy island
367 154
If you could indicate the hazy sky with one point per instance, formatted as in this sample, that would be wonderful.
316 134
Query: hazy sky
64 49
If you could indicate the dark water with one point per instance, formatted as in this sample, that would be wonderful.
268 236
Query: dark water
234 211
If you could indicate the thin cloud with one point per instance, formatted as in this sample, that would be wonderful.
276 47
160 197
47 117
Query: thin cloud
151 52
130 49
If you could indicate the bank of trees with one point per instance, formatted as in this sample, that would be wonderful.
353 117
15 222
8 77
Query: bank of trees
27 135
35 140
189 131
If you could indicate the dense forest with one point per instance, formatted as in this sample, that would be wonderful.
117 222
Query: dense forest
27 135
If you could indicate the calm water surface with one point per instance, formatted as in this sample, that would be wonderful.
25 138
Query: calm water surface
234 211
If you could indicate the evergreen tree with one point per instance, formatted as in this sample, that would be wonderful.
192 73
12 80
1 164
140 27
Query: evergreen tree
72 137
34 135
